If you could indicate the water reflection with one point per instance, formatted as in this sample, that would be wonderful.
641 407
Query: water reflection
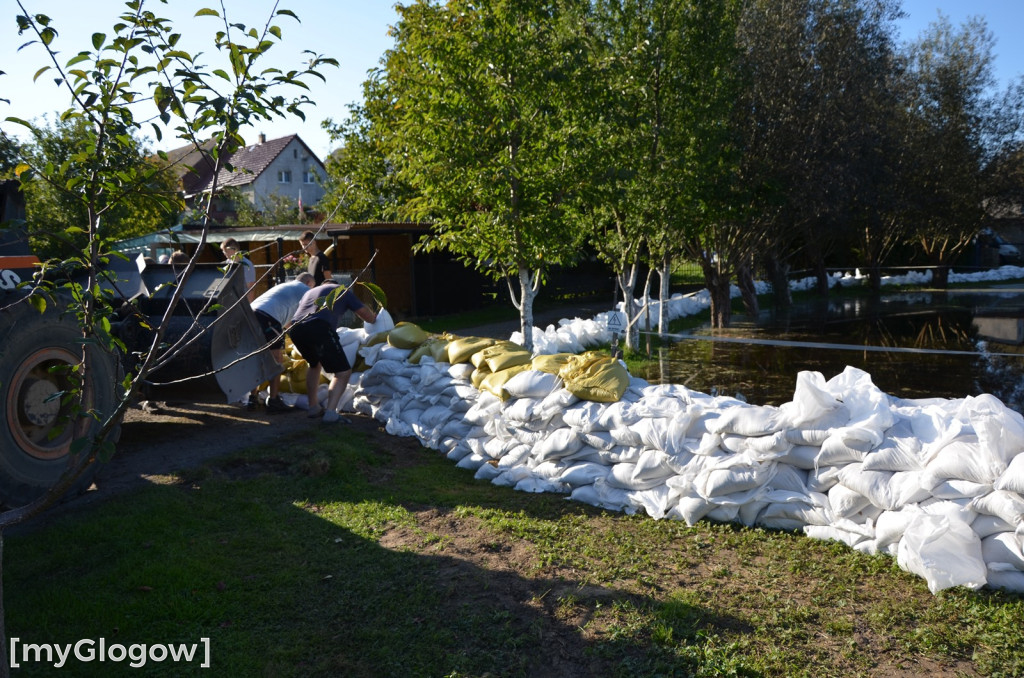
850 332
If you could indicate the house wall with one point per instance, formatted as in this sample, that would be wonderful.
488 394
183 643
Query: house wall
295 158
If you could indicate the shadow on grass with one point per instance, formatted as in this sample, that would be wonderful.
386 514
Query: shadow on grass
320 566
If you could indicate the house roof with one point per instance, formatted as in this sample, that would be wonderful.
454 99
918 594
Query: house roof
248 163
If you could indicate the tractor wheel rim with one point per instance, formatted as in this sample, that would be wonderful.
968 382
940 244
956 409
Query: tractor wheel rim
38 418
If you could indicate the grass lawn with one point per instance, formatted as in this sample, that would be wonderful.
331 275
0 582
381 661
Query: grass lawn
366 555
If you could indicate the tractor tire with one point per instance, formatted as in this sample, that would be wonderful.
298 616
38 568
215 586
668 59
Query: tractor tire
35 438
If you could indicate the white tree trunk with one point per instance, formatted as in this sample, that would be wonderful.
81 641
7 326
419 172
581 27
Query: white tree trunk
665 274
527 293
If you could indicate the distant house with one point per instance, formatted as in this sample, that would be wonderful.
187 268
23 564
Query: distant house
285 167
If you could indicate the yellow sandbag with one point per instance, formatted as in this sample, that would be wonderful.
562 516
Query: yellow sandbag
440 350
501 357
551 363
596 377
406 335
479 374
463 348
495 382
378 338
503 346
294 378
423 350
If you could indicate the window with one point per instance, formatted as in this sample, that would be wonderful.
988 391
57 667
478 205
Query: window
284 176
309 177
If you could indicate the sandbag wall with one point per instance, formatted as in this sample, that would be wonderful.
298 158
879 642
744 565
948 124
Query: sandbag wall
936 483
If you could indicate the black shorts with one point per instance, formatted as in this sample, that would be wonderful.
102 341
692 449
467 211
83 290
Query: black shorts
272 330
319 344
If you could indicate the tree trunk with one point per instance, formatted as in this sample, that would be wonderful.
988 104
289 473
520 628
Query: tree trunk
664 292
875 279
718 285
627 285
778 272
528 292
748 291
940 276
821 274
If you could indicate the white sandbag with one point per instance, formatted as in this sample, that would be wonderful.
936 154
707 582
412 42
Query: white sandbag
509 477
472 461
487 471
655 501
1006 578
603 495
800 456
896 453
1000 429
661 405
517 456
532 384
890 525
870 413
382 323
583 416
956 489
985 525
844 502
824 478
1012 479
724 514
601 440
550 470
584 473
843 447
846 531
1006 505
690 508
624 476
586 454
1004 547
748 420
559 443
965 458
617 415
731 475
945 552
888 490
621 455
812 402
789 478
628 437
461 371
538 485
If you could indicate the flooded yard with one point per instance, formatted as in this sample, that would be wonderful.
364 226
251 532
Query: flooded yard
914 345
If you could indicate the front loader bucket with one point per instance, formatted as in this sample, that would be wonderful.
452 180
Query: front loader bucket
224 339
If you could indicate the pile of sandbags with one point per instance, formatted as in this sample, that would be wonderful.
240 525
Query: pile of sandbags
939 484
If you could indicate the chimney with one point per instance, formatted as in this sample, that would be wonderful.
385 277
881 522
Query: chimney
263 138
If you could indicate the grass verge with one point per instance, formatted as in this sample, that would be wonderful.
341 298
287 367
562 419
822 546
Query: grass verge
369 556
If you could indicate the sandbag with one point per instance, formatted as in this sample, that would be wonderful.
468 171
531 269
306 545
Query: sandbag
495 381
944 551
462 349
551 363
406 335
596 377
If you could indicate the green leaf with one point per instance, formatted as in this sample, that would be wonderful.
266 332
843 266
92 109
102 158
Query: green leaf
378 293
206 11
38 302
98 39
40 72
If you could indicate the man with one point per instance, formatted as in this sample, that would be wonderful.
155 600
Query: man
274 311
319 265
233 255
314 332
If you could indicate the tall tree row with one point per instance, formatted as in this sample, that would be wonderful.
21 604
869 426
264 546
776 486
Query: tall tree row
756 137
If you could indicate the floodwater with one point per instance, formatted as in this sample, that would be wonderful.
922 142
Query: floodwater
914 345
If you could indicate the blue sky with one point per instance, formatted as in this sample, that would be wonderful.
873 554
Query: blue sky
353 31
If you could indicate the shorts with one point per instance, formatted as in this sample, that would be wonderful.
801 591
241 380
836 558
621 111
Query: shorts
319 344
272 330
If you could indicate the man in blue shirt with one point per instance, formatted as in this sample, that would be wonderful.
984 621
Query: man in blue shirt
314 332
275 309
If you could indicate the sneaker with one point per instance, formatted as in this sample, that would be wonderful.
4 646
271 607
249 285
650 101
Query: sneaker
315 414
276 406
250 402
335 418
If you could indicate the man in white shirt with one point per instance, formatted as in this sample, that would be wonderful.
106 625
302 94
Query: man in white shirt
274 310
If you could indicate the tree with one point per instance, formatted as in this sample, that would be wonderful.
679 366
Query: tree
273 209
138 75
481 96
55 209
954 123
362 182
